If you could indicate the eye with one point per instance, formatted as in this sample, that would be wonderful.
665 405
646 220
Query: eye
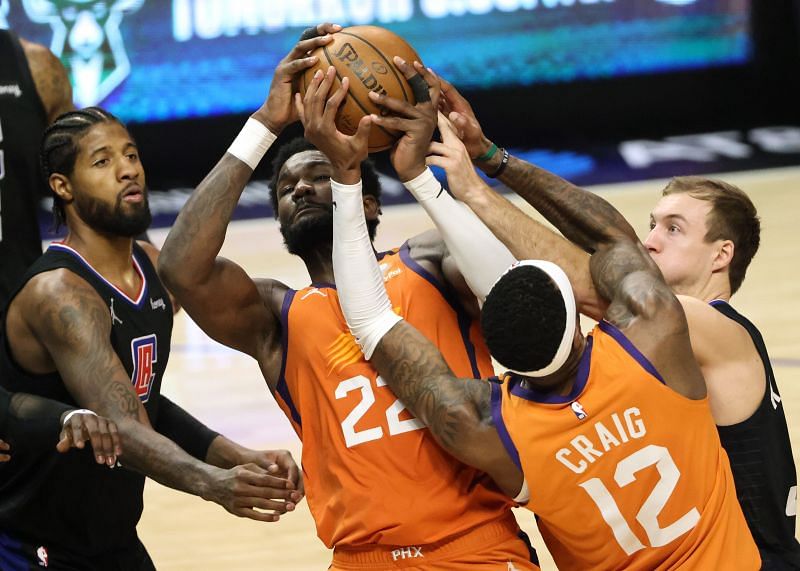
100 163
674 228
652 225
322 178
133 157
285 190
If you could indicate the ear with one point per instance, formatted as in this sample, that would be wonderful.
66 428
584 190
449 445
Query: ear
724 256
61 186
372 207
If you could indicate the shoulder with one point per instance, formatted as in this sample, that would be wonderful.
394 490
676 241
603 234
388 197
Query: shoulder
50 78
272 293
60 301
714 335
429 251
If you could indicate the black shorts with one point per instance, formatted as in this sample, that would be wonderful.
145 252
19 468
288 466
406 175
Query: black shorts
20 555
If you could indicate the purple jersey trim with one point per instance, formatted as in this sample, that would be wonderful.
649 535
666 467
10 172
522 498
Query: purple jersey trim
282 388
531 394
500 425
626 344
464 320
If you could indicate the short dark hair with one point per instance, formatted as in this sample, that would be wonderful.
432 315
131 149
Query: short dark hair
523 319
369 175
60 147
733 217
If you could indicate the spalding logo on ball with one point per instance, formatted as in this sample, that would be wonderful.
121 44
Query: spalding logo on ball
364 54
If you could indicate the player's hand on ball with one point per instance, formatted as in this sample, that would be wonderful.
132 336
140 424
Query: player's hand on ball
252 492
317 112
452 156
416 122
463 118
100 432
279 111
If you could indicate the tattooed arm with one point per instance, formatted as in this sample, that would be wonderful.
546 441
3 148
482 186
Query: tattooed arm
217 293
457 411
60 319
50 78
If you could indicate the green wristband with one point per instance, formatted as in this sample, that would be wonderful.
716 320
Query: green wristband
488 154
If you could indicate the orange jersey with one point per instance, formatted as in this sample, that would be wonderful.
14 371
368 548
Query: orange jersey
624 473
373 473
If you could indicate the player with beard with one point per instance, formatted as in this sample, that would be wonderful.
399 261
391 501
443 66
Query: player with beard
90 324
383 494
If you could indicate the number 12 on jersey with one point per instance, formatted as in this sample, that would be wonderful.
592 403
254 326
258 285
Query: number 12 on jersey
353 437
648 513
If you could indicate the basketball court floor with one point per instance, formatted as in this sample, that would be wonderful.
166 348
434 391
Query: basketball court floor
226 390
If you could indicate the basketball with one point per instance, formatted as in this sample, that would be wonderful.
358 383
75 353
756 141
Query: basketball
364 54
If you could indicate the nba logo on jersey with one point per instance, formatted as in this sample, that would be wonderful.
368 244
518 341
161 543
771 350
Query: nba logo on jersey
577 408
41 553
144 352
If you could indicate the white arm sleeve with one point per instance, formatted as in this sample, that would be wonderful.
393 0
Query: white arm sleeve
480 256
359 281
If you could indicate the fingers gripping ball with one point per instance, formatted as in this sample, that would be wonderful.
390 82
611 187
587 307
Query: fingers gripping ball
364 54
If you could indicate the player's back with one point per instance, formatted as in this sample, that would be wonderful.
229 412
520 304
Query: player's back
625 473
373 473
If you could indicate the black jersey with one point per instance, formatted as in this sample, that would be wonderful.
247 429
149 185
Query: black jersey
763 468
67 501
22 122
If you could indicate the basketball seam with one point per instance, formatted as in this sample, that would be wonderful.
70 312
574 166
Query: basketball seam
390 65
357 102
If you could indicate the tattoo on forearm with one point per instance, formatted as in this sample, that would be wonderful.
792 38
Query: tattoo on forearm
583 217
419 376
206 215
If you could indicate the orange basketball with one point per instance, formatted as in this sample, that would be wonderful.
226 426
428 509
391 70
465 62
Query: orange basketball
364 54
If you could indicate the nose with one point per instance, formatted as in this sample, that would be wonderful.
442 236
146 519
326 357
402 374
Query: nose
652 242
127 170
301 189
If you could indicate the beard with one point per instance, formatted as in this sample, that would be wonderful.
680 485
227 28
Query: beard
114 220
307 234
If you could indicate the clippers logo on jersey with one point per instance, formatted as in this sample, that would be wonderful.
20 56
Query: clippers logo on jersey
144 352
577 408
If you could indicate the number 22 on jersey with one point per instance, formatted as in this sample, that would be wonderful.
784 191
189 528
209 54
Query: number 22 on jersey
353 437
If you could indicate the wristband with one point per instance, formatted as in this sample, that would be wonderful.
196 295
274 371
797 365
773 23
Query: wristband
487 155
502 167
252 143
71 413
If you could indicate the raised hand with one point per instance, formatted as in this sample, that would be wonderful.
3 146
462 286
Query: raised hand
100 432
453 157
463 118
250 491
278 110
318 114
417 122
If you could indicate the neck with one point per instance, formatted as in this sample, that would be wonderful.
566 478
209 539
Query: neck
562 381
717 286
110 255
319 263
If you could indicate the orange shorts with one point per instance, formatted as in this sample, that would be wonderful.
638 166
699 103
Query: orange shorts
497 546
